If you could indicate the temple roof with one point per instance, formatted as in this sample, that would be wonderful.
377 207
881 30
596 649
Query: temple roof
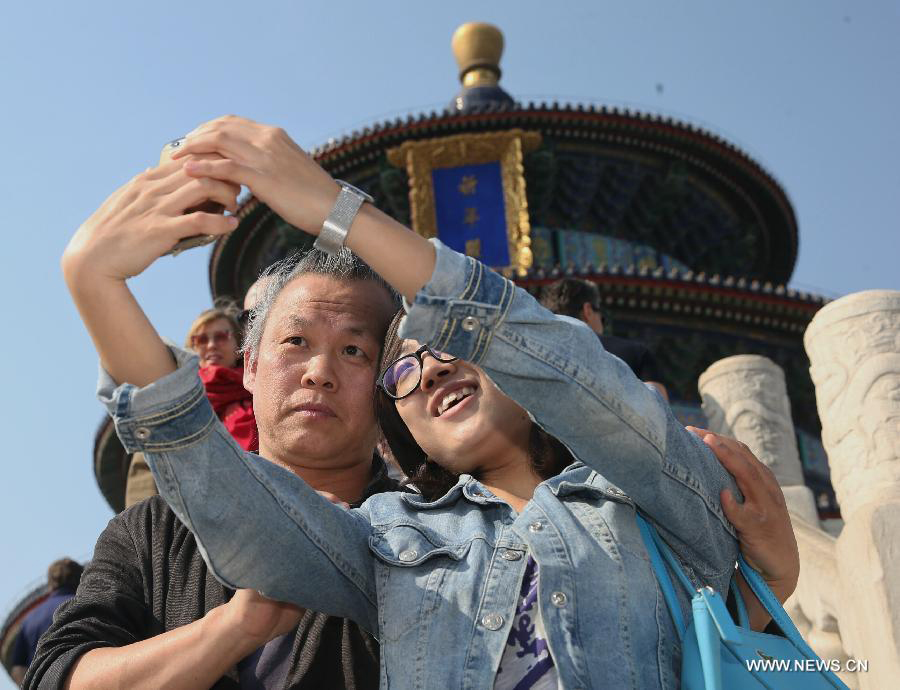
643 178
640 178
630 175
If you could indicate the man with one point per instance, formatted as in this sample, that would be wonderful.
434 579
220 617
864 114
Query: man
62 581
149 613
580 299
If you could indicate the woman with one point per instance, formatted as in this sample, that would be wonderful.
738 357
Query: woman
215 337
555 444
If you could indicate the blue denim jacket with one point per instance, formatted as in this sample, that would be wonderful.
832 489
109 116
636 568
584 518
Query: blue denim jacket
436 582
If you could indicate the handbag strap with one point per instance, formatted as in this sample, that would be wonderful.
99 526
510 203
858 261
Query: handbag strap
662 575
773 606
779 615
743 617
661 547
658 550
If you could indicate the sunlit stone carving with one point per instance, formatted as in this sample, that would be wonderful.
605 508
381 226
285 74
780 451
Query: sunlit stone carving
745 397
854 350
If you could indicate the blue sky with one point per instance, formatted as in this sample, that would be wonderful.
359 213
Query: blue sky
92 90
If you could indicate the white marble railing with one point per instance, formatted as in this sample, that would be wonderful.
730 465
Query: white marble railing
847 602
745 397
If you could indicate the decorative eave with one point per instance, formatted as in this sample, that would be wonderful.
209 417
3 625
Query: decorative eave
634 130
771 310
355 147
111 463
13 620
255 219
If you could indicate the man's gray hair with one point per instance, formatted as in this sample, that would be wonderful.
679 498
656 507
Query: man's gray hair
343 266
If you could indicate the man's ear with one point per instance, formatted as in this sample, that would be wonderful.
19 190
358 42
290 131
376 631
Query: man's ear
249 372
587 311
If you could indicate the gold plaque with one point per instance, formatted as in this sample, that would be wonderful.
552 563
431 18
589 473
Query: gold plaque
461 151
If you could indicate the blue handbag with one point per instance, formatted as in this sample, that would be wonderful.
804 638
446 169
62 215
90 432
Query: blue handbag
717 653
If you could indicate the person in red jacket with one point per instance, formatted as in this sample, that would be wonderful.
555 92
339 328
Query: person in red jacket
215 337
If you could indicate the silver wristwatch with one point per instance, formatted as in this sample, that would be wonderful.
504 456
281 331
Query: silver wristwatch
337 224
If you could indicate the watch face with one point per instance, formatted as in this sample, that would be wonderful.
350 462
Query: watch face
356 190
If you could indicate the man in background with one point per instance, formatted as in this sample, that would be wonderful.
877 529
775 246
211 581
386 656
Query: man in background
580 299
62 581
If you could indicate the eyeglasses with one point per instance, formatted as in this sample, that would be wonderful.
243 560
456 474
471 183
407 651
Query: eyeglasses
202 340
403 377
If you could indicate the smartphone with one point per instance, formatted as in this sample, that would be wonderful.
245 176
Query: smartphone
206 206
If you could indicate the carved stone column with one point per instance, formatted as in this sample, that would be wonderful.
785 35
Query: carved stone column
854 351
814 604
745 397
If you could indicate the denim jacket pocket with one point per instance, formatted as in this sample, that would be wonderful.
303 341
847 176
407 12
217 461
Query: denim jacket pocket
414 563
468 328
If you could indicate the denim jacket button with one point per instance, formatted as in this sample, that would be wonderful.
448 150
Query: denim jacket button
492 621
142 433
470 323
559 599
408 555
510 555
536 526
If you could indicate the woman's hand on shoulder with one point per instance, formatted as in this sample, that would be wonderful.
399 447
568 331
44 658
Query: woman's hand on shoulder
143 220
762 521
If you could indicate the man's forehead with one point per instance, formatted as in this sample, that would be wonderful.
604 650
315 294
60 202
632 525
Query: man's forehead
313 314
353 305
256 291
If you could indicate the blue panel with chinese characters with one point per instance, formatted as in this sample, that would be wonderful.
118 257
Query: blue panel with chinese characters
470 212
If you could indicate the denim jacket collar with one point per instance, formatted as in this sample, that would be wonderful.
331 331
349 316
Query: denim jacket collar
576 478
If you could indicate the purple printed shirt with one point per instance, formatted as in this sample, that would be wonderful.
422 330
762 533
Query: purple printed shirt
526 663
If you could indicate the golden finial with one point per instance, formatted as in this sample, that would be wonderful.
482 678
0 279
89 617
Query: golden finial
477 47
